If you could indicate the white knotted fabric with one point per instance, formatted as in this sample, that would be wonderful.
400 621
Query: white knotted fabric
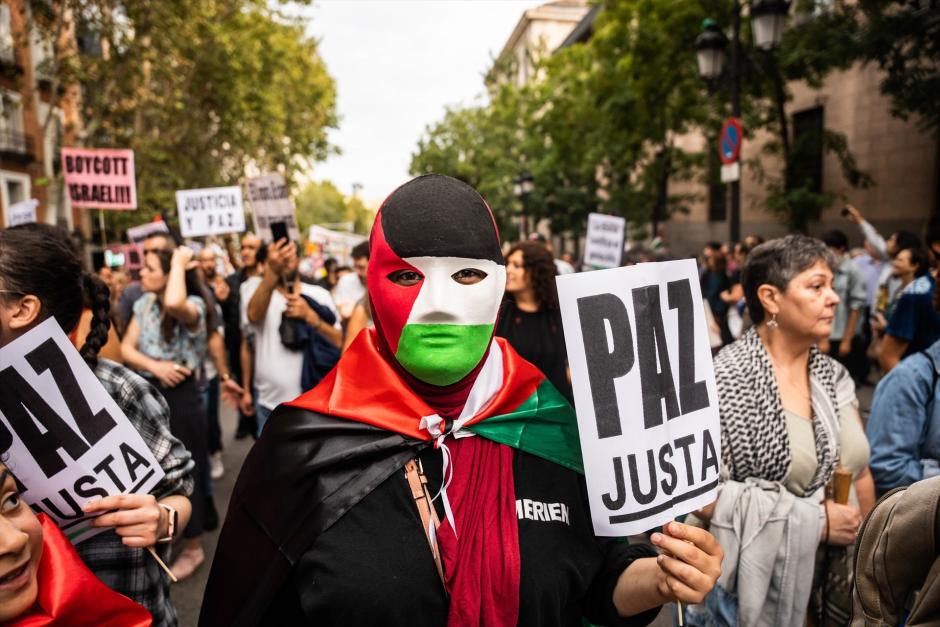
487 384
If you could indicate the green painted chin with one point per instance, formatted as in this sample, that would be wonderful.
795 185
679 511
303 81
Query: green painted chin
442 354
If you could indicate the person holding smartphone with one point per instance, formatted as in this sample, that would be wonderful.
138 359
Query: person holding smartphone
267 299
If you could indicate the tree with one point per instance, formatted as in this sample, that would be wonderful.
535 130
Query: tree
324 205
811 48
200 89
484 146
903 38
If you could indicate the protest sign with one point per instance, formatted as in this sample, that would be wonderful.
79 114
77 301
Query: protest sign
270 202
604 241
100 178
137 234
23 212
645 394
210 211
65 438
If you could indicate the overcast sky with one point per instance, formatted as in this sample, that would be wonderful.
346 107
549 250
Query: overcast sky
397 65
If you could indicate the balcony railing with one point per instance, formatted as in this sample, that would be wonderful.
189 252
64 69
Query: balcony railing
15 145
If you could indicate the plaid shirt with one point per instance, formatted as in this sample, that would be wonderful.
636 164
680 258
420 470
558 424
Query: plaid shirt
132 571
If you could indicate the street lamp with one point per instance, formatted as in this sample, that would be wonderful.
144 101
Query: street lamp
522 187
710 50
767 21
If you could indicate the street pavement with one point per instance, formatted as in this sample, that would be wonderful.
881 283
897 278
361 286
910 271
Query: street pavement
188 595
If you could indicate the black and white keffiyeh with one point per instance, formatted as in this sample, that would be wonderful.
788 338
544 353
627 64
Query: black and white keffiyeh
754 440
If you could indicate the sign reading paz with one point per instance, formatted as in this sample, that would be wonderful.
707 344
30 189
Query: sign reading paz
644 388
65 438
210 211
604 240
100 178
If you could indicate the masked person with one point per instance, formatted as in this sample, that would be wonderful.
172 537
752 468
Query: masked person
333 511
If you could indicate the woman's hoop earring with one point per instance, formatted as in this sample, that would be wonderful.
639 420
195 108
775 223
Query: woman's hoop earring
772 323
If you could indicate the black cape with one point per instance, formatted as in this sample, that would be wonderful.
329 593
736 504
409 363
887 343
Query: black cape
305 471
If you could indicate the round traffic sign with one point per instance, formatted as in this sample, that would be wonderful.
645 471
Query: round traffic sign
729 141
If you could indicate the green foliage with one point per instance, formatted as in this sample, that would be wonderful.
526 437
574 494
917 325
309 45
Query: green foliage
199 89
322 204
598 128
903 38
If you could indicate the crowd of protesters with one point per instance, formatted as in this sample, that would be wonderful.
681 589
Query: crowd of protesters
796 325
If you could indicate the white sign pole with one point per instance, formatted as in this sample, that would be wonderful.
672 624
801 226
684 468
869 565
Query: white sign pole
644 389
66 440
210 211
604 241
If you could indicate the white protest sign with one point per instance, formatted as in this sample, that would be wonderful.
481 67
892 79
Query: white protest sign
23 212
644 389
65 438
271 202
210 211
137 234
604 241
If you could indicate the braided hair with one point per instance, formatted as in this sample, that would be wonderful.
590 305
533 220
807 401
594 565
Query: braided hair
42 260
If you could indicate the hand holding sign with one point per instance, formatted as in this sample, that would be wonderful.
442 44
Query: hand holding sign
691 562
135 517
183 257
66 439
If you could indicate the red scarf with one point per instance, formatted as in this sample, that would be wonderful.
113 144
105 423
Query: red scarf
70 594
481 562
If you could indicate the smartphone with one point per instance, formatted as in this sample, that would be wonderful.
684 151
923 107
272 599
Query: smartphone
279 231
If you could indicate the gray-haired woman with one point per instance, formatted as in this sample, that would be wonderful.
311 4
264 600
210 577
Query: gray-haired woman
789 419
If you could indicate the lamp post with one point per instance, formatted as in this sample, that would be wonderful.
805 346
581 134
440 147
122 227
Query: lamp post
767 21
522 187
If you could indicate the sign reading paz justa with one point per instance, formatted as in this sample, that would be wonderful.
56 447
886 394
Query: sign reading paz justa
604 240
210 211
271 202
64 437
645 394
100 178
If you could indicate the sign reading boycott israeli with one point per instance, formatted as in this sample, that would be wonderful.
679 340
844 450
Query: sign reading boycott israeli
644 389
604 240
270 202
64 437
100 178
210 211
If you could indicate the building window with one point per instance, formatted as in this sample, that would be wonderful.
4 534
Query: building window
806 163
717 191
14 188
